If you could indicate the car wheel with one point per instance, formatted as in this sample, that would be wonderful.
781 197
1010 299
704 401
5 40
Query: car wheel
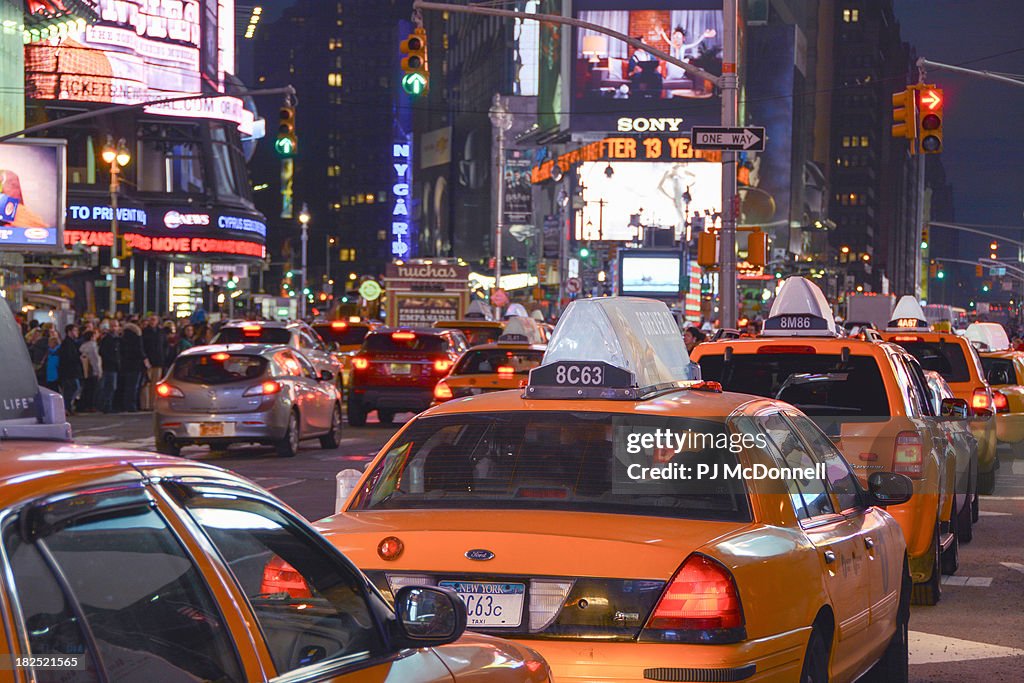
930 592
356 413
386 417
332 439
951 555
987 482
894 666
815 668
965 523
166 447
288 446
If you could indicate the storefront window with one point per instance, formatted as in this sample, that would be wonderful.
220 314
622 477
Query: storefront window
170 159
223 163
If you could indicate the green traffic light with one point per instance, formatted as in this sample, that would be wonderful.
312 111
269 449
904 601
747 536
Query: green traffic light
584 252
285 147
289 274
941 274
984 288
414 84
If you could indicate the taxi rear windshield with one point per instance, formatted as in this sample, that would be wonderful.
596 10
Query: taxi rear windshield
253 335
821 385
999 371
945 358
481 335
487 361
346 336
403 342
218 369
576 462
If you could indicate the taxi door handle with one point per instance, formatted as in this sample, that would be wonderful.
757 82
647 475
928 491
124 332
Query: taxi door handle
830 557
869 542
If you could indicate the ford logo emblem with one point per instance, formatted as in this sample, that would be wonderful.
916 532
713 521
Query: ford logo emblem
479 554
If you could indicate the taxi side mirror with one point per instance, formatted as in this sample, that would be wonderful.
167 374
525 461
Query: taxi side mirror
428 616
954 409
889 488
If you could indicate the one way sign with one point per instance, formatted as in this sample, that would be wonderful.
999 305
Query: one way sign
735 139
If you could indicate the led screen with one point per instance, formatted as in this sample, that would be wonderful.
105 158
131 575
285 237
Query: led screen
650 274
32 195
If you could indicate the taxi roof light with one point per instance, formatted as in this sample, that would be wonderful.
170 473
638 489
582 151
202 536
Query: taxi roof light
702 597
992 335
908 316
800 310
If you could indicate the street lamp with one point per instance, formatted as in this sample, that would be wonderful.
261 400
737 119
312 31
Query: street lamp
304 222
501 120
118 157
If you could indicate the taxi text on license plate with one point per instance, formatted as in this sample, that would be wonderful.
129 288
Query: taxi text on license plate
401 368
491 604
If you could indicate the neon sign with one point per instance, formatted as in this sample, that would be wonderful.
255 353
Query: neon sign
400 191
167 245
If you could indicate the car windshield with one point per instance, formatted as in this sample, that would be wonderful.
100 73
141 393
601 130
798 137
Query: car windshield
999 371
486 361
403 342
218 368
571 461
255 334
346 335
818 384
945 358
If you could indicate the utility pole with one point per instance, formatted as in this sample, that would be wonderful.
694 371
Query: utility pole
727 284
501 119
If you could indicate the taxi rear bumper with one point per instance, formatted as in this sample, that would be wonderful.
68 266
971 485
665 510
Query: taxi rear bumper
414 399
1010 427
774 658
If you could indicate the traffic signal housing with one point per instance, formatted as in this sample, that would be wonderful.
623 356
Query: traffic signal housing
757 248
707 249
415 70
904 114
286 142
993 250
929 119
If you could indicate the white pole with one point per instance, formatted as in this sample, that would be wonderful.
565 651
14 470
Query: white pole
727 284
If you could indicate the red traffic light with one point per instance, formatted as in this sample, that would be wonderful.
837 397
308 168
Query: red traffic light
930 99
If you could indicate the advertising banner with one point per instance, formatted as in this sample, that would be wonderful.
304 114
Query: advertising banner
417 309
32 195
518 210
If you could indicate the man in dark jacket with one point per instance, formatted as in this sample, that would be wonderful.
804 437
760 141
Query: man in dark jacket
69 368
133 365
154 341
110 355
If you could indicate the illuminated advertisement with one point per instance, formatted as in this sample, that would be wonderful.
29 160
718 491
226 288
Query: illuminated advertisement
648 272
166 221
612 80
199 246
622 200
623 148
32 194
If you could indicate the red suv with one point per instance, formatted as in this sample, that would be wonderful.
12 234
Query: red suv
396 369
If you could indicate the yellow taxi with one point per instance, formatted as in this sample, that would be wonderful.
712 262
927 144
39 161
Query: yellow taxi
632 523
133 567
1004 372
873 400
476 331
955 358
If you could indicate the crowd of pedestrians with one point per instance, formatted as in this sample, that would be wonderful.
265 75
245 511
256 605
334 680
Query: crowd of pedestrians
109 364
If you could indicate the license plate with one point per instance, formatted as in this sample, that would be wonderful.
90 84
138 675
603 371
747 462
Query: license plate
498 605
211 429
401 368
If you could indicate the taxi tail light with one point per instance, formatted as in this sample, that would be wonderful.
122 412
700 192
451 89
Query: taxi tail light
981 400
506 371
403 336
339 325
251 330
700 604
785 348
360 363
281 577
267 388
167 390
1000 401
908 455
221 356
443 365
442 392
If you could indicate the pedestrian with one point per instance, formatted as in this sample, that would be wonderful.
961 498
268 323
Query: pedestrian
133 365
93 368
69 368
110 359
186 340
154 342
693 336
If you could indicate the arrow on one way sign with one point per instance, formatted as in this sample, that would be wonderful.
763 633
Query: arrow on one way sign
734 139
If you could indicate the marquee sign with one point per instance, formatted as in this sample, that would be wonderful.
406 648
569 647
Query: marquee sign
626 148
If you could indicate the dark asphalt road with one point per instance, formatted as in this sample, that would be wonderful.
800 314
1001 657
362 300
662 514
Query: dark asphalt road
976 633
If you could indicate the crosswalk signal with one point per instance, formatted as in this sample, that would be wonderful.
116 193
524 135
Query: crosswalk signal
416 78
904 114
286 142
929 112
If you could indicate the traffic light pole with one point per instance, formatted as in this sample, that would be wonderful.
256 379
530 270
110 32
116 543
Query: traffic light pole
923 63
728 287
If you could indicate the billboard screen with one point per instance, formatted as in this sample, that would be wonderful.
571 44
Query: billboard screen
612 80
138 50
32 195
651 195
645 272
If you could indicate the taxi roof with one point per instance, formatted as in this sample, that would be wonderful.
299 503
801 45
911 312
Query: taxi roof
448 324
800 310
509 346
908 316
988 336
856 345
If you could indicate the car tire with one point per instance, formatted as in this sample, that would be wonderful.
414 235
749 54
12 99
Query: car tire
987 482
815 667
965 523
356 413
332 439
930 592
951 555
165 447
386 417
288 446
894 666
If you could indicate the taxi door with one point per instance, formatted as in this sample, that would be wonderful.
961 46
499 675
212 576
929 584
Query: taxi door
840 544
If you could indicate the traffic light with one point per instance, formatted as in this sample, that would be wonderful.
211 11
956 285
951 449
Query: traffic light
126 247
286 142
416 78
979 271
757 248
707 249
904 114
929 112
584 252
933 270
993 250
924 237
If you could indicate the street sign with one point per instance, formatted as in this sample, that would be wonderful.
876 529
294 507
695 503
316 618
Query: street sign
107 270
573 285
749 139
370 290
499 298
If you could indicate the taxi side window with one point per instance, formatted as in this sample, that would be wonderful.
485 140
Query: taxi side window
837 471
311 607
289 364
456 342
147 612
811 497
307 368
920 385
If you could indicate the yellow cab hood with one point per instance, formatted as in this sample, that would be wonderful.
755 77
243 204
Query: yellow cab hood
529 542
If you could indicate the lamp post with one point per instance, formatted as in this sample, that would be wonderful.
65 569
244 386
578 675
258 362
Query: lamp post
304 221
501 120
118 157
